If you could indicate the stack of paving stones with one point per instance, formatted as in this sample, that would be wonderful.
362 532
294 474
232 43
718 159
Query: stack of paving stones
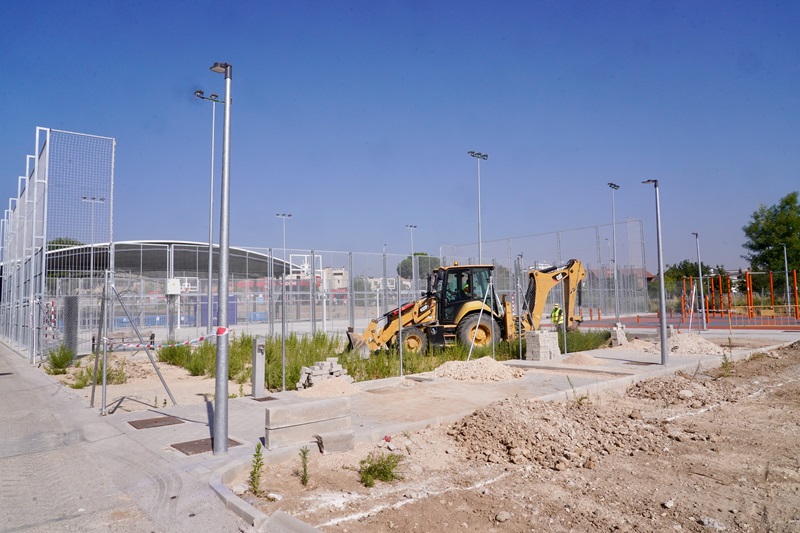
541 345
322 370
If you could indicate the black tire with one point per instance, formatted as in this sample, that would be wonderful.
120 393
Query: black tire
414 340
487 330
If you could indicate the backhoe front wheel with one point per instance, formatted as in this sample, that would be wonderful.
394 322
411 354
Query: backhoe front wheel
482 331
414 340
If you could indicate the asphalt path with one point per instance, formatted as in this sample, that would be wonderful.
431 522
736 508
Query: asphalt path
65 468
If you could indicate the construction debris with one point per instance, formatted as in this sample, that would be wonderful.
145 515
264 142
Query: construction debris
322 370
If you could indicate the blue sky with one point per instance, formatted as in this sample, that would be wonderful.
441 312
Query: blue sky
356 117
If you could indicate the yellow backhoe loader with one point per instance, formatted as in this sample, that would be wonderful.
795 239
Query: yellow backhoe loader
460 306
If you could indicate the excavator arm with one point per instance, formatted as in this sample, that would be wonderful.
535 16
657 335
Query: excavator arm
541 282
383 331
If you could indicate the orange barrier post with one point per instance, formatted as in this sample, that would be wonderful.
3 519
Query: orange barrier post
796 303
598 314
591 313
638 319
771 294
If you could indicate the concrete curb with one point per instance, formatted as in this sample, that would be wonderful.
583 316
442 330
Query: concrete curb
218 482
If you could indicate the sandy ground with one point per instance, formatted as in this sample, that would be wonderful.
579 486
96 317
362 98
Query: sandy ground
144 390
713 451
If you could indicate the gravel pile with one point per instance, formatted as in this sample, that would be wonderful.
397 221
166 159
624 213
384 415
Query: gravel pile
483 369
551 435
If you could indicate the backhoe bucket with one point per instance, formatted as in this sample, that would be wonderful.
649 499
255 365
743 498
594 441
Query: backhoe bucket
357 344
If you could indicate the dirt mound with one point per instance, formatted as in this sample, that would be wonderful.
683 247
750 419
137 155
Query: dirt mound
581 358
551 435
684 390
483 369
679 344
329 388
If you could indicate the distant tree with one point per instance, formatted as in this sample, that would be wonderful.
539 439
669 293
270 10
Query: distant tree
62 242
427 264
769 229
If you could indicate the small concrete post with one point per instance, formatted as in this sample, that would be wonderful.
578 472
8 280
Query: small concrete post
258 370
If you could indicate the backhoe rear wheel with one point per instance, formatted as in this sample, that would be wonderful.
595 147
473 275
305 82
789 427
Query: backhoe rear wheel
483 330
414 340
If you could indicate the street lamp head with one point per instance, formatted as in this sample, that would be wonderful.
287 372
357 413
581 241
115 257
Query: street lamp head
613 185
654 182
411 226
200 94
214 96
478 155
222 68
696 235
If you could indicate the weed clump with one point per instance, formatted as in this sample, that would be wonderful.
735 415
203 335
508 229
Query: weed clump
59 360
254 481
304 466
379 466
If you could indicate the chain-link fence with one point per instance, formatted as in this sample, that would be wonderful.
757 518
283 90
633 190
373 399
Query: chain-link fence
59 257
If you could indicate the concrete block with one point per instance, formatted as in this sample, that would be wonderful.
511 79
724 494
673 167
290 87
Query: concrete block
340 441
281 522
291 435
280 416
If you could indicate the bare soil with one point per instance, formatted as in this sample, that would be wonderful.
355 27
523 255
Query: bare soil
712 451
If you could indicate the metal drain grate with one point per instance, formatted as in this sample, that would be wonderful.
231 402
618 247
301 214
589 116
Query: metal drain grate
148 423
193 447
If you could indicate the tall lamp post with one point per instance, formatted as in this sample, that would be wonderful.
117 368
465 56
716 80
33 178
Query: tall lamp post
92 200
614 187
662 306
283 217
479 156
411 228
786 271
700 276
214 99
220 433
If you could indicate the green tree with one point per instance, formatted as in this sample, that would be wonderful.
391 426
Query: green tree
62 242
769 229
427 264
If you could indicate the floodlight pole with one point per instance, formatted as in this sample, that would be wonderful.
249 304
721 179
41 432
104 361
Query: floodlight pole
92 200
214 99
614 187
700 274
411 228
479 156
283 217
662 306
220 433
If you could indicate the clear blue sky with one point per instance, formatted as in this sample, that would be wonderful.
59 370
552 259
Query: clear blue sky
356 117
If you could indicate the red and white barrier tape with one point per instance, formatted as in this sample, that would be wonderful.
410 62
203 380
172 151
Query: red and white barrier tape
141 345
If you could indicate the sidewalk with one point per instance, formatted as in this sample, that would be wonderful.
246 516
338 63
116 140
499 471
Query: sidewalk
381 408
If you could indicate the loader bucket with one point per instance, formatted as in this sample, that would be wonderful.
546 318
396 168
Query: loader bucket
357 344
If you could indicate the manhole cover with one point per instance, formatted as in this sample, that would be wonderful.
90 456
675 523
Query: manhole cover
266 399
148 423
193 447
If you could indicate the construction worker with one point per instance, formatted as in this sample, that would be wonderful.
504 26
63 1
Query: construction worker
557 316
